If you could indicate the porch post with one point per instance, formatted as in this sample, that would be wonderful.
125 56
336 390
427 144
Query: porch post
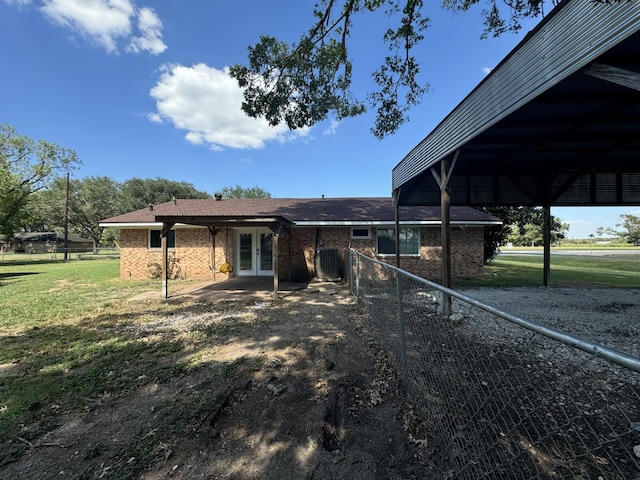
275 265
164 243
165 260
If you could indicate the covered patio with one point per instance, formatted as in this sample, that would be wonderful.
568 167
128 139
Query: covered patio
215 224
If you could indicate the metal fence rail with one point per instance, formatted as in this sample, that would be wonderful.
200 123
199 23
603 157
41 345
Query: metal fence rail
499 396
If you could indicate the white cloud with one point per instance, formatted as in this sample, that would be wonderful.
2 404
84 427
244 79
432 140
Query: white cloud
106 22
486 70
206 102
150 38
332 128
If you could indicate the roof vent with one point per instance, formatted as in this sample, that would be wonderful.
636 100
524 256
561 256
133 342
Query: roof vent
151 207
173 197
218 196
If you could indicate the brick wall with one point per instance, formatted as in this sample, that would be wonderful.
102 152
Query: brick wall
297 246
193 254
466 250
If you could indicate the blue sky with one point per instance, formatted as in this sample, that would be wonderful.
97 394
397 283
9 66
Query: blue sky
138 89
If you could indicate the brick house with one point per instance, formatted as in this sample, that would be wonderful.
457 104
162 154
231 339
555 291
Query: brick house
49 242
287 237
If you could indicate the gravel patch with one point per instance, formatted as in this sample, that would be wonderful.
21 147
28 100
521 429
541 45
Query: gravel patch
608 316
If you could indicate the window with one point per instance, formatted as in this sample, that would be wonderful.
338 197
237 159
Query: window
360 233
155 240
409 241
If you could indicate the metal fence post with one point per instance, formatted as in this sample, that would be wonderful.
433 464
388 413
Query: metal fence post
357 276
403 340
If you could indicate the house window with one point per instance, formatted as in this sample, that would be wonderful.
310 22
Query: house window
409 241
155 241
360 233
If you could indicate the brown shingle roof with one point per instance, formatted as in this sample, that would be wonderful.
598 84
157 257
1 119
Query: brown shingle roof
296 210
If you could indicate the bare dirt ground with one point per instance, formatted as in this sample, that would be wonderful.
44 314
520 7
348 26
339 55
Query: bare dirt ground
291 389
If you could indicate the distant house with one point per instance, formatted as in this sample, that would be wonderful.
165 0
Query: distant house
49 242
236 237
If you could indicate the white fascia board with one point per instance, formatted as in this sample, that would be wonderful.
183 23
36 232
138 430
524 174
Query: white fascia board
402 222
145 225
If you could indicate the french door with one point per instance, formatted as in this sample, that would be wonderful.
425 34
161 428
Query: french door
254 251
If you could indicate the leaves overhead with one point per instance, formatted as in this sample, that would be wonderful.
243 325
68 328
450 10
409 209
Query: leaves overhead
303 83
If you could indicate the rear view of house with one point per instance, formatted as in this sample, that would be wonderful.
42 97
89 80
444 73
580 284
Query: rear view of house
295 238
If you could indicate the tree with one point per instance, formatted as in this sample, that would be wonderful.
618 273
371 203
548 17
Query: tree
91 199
26 167
303 83
522 226
239 191
630 225
139 193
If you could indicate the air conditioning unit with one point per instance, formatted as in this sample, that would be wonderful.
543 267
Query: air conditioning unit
327 264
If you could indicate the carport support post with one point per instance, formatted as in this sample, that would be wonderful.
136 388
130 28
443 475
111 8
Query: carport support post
547 245
445 217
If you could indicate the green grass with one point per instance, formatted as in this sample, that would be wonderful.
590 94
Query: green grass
527 270
66 339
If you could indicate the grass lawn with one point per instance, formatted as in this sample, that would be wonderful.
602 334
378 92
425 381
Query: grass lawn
65 341
570 270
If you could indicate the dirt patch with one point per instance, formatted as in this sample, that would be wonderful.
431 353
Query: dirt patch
293 388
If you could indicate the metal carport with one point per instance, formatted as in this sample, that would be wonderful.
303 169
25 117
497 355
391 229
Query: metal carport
557 122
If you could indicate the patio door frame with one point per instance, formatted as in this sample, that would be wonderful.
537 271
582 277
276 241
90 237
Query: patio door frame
256 251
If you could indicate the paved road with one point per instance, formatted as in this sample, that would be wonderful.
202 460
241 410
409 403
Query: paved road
595 252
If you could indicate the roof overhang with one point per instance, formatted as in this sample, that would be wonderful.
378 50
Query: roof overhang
225 221
557 122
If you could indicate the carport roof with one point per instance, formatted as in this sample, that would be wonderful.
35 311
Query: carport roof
557 122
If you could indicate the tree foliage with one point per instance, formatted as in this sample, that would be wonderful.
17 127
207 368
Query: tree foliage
26 166
92 199
137 193
303 83
239 191
629 229
523 226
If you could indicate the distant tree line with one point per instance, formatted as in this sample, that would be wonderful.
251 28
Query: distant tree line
92 199
33 191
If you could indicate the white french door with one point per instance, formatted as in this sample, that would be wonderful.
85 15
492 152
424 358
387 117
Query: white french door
254 251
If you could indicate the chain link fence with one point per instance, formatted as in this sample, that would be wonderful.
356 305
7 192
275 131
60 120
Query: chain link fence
497 396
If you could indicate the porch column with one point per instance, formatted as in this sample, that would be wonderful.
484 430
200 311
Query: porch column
275 265
164 237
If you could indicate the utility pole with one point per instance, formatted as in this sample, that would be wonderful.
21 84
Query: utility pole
66 222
